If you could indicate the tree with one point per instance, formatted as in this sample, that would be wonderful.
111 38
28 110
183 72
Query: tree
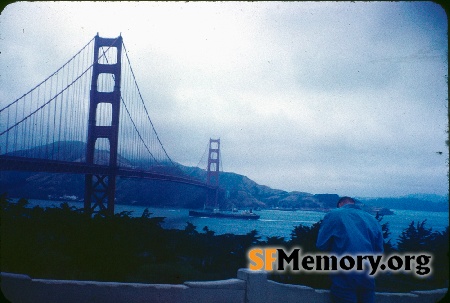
305 236
387 245
416 238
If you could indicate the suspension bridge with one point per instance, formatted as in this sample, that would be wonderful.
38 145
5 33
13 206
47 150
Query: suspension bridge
89 117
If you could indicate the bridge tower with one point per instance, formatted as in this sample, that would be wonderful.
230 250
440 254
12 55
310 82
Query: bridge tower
100 188
212 176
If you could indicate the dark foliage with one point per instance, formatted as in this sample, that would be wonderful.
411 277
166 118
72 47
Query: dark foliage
305 237
63 243
413 240
387 246
417 239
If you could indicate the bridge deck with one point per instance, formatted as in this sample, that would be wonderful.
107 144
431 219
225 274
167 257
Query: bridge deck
53 166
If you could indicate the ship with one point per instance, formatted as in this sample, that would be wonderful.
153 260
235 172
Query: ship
247 215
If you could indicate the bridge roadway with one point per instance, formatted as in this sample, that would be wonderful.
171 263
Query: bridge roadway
53 166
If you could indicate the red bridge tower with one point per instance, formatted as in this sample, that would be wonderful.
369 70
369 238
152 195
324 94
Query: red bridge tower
212 177
100 189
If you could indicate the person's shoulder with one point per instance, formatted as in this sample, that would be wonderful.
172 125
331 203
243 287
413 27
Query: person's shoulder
333 211
333 214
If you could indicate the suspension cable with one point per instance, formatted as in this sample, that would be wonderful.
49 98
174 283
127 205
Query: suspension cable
139 134
145 108
204 153
54 97
46 103
126 108
48 76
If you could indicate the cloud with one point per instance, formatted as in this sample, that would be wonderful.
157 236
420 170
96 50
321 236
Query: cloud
349 98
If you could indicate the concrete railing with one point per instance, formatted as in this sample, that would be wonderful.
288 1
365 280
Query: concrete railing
249 287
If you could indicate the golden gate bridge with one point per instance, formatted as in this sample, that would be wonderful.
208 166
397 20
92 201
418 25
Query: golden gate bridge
89 117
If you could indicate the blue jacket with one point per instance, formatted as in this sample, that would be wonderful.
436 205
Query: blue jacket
350 230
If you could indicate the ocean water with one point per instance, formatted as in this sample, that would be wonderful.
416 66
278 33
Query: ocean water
272 223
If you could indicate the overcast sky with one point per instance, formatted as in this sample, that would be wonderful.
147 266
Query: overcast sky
321 97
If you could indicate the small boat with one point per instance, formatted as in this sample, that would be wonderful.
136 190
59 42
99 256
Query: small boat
248 215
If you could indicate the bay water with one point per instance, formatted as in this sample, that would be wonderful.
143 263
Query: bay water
272 223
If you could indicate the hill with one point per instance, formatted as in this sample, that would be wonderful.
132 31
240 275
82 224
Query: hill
411 202
236 191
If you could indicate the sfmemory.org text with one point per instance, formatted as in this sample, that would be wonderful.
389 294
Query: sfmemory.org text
277 259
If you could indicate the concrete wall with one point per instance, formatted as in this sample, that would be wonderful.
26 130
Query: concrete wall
249 287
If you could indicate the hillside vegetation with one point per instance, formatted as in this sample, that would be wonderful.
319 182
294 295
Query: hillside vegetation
236 191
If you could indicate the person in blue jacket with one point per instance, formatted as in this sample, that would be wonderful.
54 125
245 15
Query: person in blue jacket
348 230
